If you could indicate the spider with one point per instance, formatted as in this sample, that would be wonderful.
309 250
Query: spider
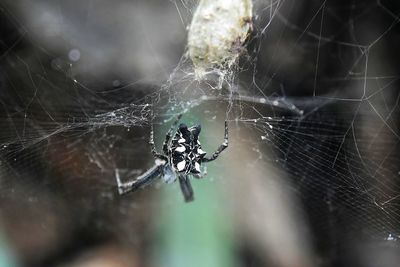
182 157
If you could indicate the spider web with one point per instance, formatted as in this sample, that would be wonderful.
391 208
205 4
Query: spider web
314 95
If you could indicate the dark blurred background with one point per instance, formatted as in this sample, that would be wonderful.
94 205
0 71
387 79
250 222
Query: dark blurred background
311 177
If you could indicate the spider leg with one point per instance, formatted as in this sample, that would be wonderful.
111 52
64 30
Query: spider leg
220 148
202 174
145 179
186 188
169 133
153 146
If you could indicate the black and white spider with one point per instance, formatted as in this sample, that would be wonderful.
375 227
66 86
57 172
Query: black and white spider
182 157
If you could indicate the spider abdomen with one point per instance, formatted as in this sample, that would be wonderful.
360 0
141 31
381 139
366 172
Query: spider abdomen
185 152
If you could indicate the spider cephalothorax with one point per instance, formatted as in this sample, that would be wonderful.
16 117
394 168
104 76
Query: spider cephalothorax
186 150
181 158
